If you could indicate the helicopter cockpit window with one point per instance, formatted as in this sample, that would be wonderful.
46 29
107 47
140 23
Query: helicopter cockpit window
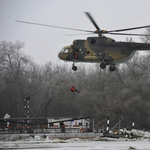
61 51
65 51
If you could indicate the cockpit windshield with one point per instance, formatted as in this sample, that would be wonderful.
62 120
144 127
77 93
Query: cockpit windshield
61 51
64 51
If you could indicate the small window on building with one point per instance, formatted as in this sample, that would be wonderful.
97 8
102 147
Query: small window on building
80 124
56 118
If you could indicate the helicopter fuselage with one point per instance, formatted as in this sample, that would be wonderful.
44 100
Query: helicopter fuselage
101 49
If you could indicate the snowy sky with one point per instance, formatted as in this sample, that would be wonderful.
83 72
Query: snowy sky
44 43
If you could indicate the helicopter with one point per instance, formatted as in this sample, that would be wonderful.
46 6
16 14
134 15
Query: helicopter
100 49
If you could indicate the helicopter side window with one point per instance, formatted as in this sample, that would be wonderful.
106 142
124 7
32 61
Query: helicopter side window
93 41
65 51
88 52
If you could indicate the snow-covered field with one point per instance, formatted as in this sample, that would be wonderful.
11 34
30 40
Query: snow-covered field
76 145
98 143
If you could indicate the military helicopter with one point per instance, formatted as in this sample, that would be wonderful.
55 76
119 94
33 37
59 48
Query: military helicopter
101 49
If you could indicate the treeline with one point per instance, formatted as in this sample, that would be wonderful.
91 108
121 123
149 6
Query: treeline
125 92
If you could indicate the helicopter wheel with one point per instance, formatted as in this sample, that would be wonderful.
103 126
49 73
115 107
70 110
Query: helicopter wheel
103 65
74 68
112 68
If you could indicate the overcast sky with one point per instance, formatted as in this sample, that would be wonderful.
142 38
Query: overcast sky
44 43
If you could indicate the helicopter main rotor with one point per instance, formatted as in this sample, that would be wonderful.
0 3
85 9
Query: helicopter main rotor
100 32
97 31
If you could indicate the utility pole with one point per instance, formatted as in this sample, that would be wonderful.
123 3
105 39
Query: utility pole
107 128
132 127
93 125
26 100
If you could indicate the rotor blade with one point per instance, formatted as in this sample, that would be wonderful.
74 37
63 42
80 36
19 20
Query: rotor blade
92 20
53 26
129 34
79 34
128 29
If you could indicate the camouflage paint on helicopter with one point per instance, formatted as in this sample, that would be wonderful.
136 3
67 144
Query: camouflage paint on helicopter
101 49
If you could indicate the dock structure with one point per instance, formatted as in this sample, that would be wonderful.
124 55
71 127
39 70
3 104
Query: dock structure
56 135
54 127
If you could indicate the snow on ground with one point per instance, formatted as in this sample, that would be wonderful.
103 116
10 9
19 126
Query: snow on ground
141 133
90 145
101 143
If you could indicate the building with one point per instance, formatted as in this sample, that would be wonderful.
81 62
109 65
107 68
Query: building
72 124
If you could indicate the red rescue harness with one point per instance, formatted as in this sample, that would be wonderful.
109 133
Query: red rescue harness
72 89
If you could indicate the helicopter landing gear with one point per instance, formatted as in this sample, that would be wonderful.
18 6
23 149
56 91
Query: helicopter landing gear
112 67
74 68
103 65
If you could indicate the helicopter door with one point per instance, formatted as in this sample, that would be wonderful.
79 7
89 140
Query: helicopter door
76 54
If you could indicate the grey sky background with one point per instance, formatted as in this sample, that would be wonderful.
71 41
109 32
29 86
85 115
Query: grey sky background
44 43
